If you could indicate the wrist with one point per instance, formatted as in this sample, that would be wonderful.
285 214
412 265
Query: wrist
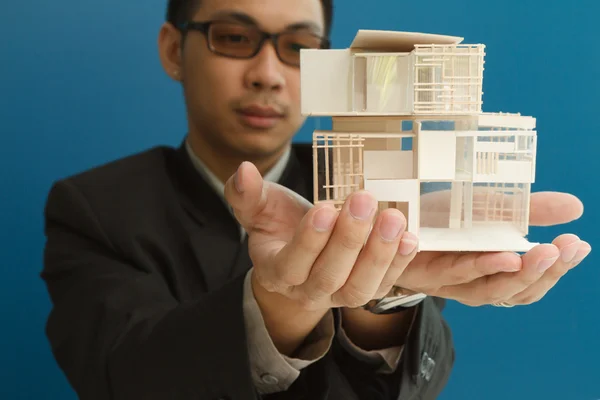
287 323
376 331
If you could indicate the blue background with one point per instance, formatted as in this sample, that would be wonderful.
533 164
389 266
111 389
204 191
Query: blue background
81 84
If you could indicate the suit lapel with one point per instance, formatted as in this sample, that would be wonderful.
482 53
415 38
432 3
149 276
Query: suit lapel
242 262
216 256
214 233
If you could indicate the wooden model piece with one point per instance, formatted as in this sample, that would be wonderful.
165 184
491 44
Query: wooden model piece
407 115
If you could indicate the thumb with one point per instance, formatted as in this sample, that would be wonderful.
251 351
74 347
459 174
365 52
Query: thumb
258 204
554 208
245 192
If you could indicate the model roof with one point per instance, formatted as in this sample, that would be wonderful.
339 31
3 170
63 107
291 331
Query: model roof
396 41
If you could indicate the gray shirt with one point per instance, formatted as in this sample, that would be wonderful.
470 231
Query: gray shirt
271 370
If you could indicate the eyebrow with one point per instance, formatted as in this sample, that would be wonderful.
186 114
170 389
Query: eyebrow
247 19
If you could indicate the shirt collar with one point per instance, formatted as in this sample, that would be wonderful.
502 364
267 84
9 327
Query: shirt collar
273 175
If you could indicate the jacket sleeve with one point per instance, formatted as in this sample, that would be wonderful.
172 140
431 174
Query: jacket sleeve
116 331
273 372
424 368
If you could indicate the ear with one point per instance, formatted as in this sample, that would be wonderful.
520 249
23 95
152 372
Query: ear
169 48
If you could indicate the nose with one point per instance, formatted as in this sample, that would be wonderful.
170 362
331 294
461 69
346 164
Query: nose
265 72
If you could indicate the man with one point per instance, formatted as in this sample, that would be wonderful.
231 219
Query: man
202 273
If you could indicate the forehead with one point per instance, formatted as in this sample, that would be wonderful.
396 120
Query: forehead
270 15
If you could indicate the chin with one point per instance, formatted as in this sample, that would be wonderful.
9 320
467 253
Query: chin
257 144
257 148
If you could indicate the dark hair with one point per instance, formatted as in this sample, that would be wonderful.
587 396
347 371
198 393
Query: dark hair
180 11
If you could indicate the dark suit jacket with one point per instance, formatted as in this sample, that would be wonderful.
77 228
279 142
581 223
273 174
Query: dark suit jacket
145 268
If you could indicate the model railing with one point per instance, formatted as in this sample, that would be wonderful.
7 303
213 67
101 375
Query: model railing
338 169
448 78
501 203
503 153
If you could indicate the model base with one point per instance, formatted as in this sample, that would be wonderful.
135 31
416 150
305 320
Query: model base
477 239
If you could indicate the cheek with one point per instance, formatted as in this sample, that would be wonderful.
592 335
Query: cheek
294 94
215 82
293 87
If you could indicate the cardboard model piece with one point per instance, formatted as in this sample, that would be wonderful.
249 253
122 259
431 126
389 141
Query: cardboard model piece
408 126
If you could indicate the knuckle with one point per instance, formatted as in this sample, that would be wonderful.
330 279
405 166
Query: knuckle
351 240
479 264
529 279
310 245
288 277
484 296
376 261
491 297
460 269
396 268
353 296
328 284
453 276
556 272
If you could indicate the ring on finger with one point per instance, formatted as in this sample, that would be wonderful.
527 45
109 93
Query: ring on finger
503 304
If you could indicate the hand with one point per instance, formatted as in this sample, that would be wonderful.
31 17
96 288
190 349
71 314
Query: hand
477 279
546 208
314 255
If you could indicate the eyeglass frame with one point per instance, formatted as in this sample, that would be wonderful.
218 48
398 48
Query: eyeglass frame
204 28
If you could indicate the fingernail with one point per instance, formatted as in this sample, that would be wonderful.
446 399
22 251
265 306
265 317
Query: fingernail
545 264
581 254
390 226
237 180
408 244
510 268
362 206
324 218
568 252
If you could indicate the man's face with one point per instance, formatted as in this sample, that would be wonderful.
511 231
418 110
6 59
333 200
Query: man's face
228 99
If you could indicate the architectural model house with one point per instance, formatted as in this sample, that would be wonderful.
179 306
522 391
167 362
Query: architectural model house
407 115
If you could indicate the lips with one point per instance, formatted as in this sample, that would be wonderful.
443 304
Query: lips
257 117
262 112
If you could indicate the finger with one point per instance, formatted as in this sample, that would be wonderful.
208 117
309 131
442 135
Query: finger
244 191
546 208
584 250
407 250
553 208
291 265
432 270
332 268
263 206
499 287
373 261
572 252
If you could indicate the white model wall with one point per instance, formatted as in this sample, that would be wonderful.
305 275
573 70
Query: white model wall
325 81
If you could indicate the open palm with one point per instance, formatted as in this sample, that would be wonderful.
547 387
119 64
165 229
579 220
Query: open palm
498 277
285 259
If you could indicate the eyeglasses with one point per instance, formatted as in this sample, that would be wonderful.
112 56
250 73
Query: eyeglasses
237 40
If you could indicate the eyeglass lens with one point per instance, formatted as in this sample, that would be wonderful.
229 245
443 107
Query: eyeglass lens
241 41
